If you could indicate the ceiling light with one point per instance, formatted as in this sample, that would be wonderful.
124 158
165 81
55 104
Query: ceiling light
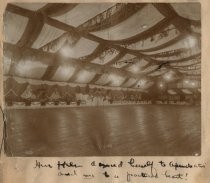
190 41
115 79
67 51
144 26
135 69
186 81
193 83
84 76
161 85
169 76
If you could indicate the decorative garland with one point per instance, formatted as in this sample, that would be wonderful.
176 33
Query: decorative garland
110 17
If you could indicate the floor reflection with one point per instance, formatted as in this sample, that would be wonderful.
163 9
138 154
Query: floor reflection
103 131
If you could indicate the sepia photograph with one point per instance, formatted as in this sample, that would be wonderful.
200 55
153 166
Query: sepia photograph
102 79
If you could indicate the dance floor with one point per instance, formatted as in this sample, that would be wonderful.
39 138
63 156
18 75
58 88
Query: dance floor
138 130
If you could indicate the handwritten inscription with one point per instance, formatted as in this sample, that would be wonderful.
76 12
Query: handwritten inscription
108 165
174 176
74 173
88 176
65 164
134 170
38 164
188 165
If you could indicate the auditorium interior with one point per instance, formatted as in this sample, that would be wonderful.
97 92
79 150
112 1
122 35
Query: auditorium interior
102 79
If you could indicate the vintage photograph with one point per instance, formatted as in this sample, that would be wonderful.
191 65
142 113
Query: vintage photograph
102 79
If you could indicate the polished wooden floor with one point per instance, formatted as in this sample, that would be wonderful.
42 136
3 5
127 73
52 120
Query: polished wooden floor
138 130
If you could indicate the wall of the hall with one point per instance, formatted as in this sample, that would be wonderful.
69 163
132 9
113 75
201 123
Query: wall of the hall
27 94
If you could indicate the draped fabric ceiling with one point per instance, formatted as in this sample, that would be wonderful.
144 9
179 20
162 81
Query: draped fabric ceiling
117 45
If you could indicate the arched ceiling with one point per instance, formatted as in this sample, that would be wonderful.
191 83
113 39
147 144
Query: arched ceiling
127 45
